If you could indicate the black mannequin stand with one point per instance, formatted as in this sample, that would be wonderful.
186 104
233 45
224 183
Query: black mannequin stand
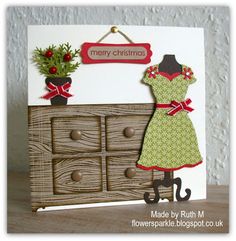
167 182
170 66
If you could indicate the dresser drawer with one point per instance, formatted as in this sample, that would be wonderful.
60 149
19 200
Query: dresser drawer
76 134
77 175
125 132
123 174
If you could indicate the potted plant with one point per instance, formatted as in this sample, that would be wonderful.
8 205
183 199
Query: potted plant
56 64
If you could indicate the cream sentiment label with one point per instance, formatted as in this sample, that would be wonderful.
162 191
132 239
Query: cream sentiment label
127 52
116 53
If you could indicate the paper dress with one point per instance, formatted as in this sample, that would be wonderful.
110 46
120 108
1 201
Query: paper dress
170 141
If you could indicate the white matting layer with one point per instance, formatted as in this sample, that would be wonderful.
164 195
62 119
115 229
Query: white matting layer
121 83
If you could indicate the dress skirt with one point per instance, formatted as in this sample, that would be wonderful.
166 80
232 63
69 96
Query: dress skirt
170 143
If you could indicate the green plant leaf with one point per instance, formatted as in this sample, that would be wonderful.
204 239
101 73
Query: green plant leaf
64 69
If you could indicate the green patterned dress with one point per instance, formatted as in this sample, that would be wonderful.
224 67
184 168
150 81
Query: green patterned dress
170 141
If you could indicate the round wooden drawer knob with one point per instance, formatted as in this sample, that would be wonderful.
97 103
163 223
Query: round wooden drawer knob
130 172
75 134
76 176
129 132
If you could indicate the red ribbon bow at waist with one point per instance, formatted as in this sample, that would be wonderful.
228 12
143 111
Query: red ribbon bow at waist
176 106
57 90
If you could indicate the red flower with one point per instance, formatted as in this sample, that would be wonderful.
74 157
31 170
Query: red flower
152 72
187 72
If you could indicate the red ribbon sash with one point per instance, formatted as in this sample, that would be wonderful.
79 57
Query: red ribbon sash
57 90
176 106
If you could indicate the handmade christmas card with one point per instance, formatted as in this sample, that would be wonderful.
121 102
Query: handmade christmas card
116 115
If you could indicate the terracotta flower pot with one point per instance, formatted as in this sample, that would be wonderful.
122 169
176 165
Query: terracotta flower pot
58 100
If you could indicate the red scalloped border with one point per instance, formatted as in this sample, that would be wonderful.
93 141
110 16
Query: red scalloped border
166 169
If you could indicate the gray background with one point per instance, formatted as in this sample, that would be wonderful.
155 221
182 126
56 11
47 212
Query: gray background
214 20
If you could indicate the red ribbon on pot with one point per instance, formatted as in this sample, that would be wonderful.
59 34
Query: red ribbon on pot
57 90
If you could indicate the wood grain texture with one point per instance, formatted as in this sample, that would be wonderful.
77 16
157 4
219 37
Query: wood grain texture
90 169
45 113
116 125
42 119
40 155
90 128
116 173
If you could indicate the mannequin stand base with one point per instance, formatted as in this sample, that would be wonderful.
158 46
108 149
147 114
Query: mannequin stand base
167 182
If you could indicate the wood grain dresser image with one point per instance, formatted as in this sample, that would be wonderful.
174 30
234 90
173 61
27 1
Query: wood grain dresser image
82 154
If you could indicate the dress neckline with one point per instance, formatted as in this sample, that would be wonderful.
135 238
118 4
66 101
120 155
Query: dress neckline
170 77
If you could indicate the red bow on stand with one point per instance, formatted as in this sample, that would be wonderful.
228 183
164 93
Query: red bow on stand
177 106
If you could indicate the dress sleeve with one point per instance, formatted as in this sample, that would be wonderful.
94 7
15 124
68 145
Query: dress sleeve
189 74
150 75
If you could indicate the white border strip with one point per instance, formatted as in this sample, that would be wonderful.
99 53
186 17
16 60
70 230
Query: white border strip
92 205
